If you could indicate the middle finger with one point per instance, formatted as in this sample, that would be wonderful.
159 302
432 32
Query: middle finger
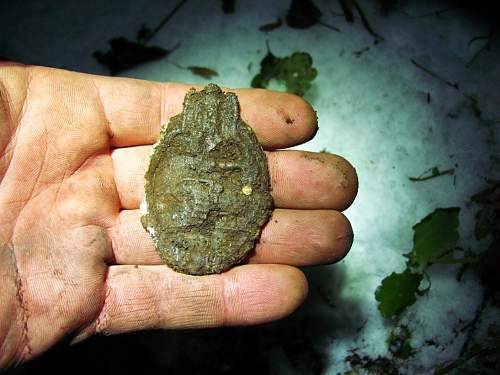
299 179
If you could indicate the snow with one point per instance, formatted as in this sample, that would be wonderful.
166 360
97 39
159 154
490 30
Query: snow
372 110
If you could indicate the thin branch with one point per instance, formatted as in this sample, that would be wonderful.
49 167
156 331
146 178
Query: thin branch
434 173
164 21
472 325
486 46
331 27
479 37
347 11
433 13
365 22
361 51
465 261
435 75
460 361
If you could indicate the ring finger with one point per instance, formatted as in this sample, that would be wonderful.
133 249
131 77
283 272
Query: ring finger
293 237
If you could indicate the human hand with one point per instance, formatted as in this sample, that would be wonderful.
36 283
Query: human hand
74 258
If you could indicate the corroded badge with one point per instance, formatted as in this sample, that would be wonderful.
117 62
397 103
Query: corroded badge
207 186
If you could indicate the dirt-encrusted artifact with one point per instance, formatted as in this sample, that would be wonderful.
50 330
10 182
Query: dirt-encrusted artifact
207 186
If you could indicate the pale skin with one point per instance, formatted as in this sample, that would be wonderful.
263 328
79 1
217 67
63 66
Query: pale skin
74 258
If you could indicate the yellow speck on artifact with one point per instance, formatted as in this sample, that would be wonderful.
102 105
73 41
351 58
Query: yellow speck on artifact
247 190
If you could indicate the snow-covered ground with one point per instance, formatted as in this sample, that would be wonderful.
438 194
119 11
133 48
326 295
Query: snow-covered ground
372 108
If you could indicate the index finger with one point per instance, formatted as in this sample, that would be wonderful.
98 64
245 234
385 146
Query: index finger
136 109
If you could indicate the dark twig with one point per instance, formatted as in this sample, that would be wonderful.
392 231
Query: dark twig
361 51
152 33
326 299
461 271
479 37
360 328
486 46
470 327
347 11
434 172
271 25
433 13
459 362
435 75
331 27
365 22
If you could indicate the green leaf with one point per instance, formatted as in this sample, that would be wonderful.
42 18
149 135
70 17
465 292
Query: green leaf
434 236
397 292
268 69
201 71
296 71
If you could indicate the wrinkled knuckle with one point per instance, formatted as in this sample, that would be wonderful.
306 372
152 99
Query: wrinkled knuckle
14 87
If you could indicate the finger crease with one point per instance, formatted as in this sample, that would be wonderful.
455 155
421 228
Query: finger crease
163 96
101 322
105 116
26 349
225 300
112 236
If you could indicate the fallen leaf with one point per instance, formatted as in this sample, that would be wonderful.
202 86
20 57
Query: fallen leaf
397 291
303 14
296 71
125 54
435 235
201 71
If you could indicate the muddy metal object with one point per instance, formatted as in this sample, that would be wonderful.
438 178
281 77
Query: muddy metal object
207 186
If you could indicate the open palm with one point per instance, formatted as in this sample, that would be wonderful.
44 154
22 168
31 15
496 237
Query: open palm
74 258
